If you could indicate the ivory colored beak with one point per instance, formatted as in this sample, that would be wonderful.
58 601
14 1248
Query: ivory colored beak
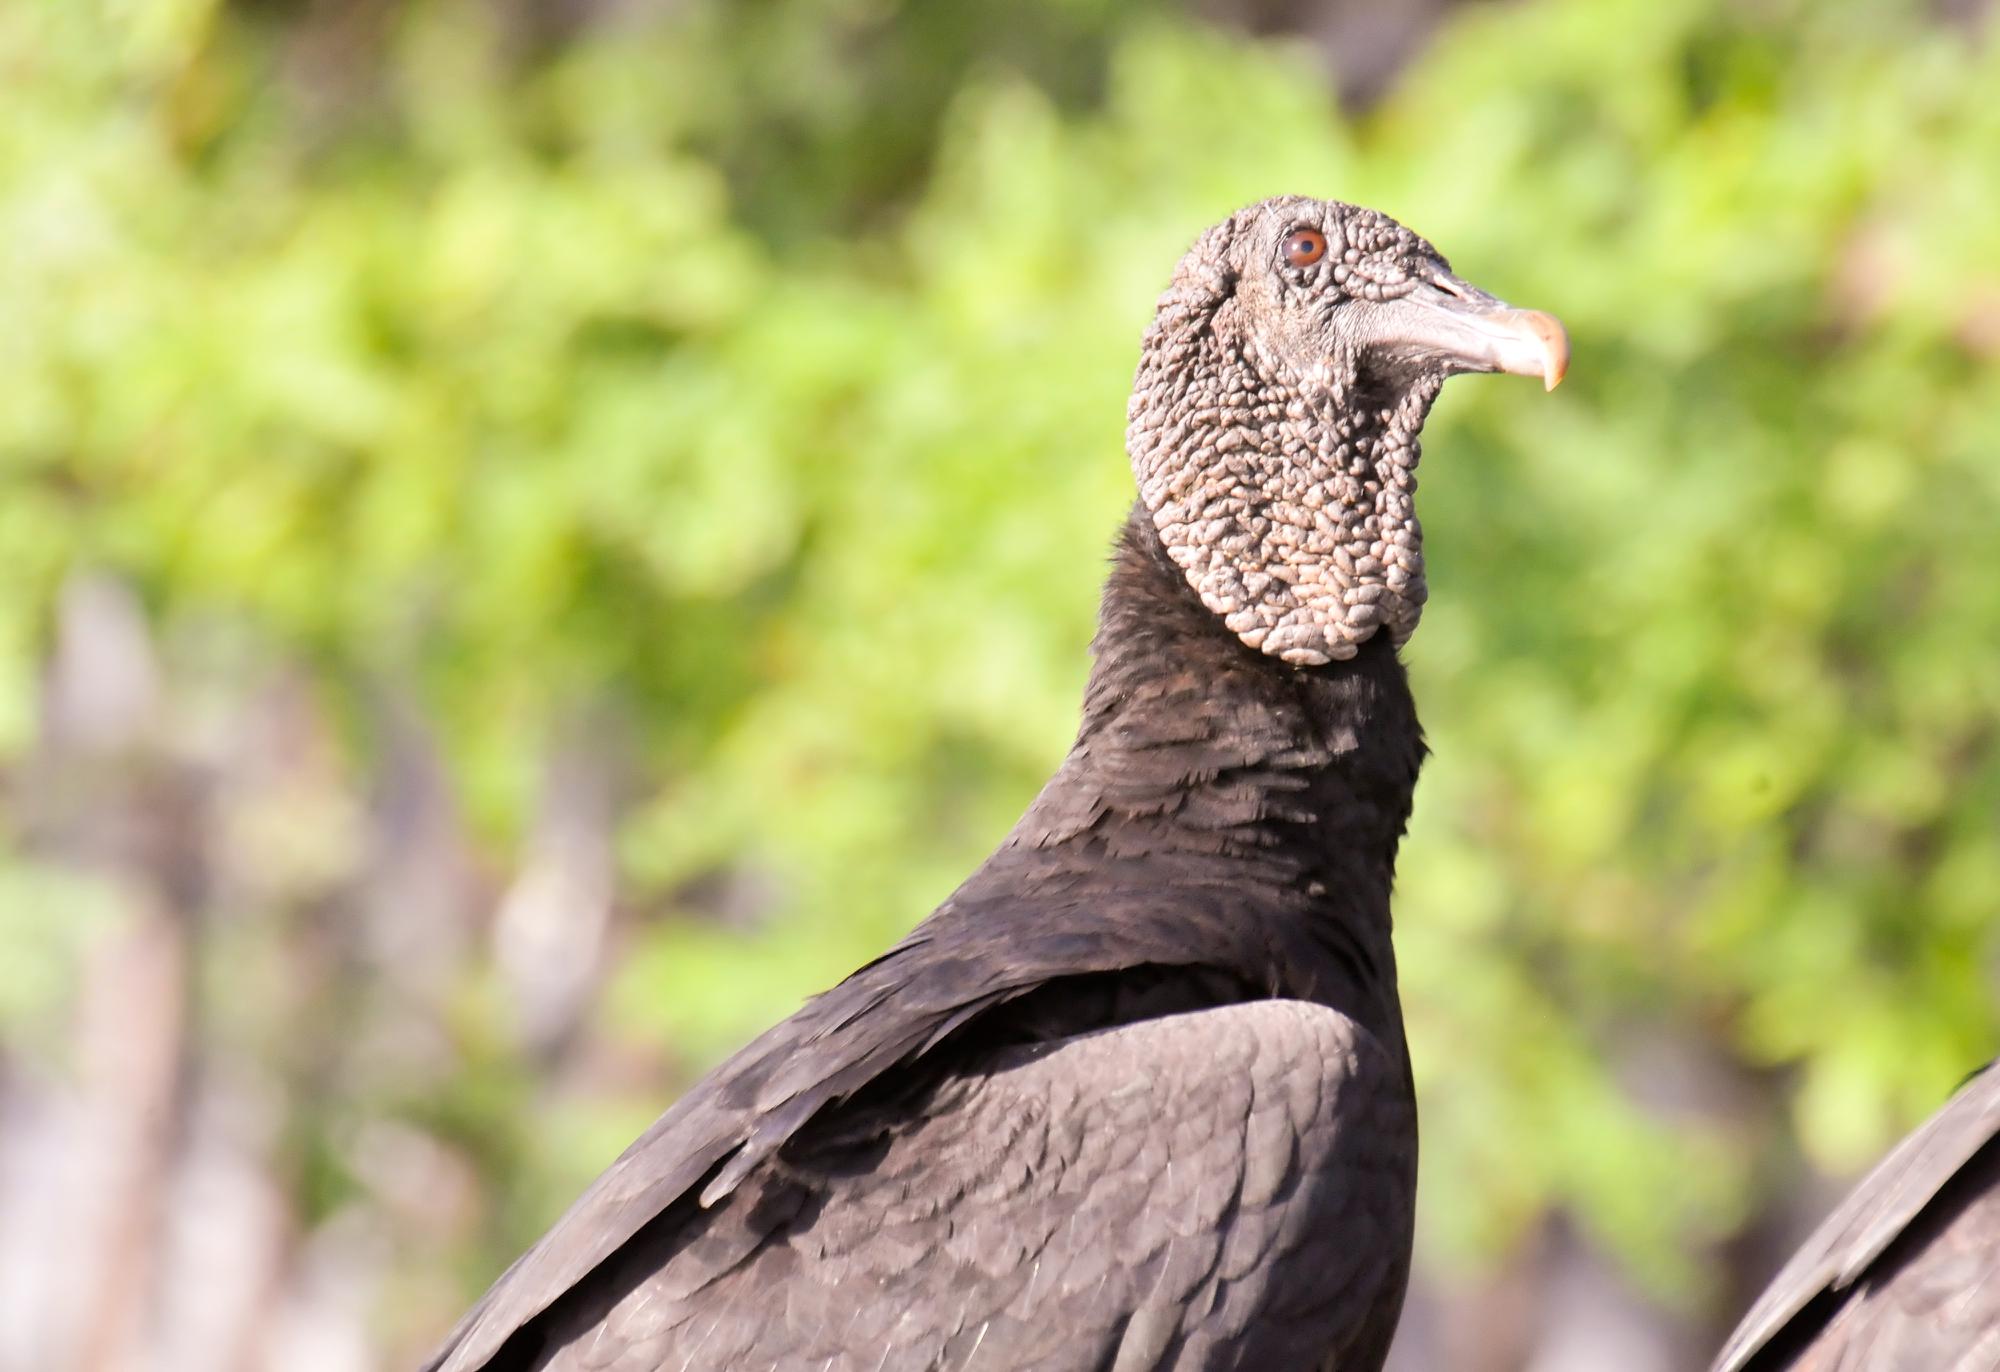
1470 331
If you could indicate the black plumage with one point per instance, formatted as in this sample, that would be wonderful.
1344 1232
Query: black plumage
1904 1275
1137 1094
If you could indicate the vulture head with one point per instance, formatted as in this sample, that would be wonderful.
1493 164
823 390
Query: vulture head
1273 423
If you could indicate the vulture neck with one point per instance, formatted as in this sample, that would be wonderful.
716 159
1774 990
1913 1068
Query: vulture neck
1261 802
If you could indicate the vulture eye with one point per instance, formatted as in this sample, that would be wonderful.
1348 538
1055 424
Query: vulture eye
1303 247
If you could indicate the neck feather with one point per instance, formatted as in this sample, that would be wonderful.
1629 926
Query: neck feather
1266 798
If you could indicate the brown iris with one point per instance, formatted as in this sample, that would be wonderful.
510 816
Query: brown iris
1303 247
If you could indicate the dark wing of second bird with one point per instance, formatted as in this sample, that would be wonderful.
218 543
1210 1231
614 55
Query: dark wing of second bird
1905 1274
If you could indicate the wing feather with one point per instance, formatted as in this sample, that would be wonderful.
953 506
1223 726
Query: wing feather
1074 1205
1819 1292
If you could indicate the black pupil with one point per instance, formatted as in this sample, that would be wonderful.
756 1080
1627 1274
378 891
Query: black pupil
1304 245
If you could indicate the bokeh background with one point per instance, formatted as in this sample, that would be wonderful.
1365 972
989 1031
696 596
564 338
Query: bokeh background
536 533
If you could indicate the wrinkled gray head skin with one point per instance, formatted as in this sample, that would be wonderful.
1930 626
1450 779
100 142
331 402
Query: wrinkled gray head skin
1274 419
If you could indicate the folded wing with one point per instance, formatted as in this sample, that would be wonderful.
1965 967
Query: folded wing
1906 1271
1227 1187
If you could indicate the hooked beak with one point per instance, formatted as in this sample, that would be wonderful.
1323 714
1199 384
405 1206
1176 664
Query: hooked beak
1450 321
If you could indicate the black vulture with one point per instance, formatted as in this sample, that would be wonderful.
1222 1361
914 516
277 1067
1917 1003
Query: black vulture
1905 1273
1136 1095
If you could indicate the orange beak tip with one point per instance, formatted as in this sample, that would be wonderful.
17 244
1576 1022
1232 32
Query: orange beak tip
1555 348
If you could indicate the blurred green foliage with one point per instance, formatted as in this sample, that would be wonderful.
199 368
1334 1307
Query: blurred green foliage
759 371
